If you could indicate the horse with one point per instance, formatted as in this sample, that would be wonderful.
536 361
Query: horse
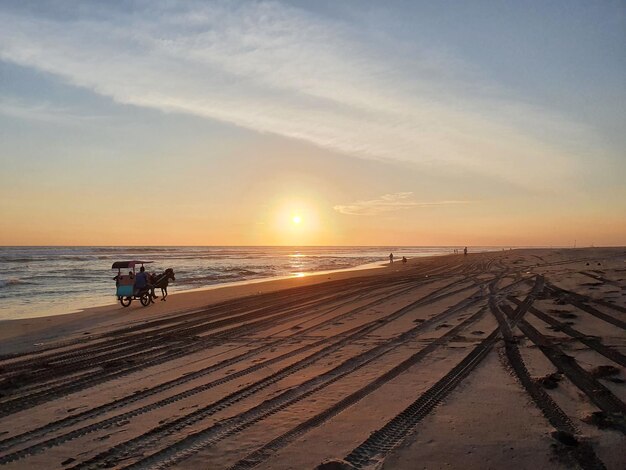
161 281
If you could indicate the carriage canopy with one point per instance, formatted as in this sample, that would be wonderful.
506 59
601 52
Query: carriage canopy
128 264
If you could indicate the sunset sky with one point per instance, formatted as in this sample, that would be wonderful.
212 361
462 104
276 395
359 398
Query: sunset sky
313 123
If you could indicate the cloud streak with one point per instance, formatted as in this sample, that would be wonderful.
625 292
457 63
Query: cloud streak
277 69
392 202
43 112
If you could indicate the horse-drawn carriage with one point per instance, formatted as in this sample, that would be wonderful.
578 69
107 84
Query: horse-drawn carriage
128 289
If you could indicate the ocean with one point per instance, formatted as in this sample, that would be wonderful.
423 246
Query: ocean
42 281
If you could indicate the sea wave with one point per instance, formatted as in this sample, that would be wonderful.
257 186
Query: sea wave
77 258
5 283
210 279
10 259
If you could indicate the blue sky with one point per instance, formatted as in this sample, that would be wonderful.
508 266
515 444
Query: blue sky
408 111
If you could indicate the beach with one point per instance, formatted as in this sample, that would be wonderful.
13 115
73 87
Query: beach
511 358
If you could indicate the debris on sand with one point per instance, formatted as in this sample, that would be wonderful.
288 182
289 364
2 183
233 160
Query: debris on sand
550 381
567 315
565 437
562 313
335 464
601 372
478 332
561 300
557 310
605 420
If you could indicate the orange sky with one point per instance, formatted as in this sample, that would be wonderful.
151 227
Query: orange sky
197 124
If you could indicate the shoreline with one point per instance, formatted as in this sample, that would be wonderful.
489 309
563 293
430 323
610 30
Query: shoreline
101 304
68 284
35 331
18 330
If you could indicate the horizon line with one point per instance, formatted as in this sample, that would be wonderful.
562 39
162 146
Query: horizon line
312 246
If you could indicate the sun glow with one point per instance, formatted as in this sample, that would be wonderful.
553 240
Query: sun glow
296 222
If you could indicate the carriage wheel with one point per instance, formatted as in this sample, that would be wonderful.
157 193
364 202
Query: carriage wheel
125 301
145 299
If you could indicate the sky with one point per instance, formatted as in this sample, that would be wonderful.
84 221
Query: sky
313 123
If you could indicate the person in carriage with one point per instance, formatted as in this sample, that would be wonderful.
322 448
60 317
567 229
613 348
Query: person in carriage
141 282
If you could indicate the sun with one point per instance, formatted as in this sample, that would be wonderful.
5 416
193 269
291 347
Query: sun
296 223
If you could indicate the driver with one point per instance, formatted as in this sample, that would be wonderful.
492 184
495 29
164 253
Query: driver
141 280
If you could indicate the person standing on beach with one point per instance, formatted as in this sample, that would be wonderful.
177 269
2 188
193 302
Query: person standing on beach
465 251
390 258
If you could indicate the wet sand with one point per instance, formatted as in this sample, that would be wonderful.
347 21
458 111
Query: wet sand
491 360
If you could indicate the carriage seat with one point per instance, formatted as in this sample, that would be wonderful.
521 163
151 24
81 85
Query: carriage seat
125 286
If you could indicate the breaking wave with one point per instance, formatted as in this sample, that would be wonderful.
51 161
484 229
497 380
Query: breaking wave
12 282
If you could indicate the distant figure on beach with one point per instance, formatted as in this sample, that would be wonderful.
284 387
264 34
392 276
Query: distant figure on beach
404 259
390 258
465 251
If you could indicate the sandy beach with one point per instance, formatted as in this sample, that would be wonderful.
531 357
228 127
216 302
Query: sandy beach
511 359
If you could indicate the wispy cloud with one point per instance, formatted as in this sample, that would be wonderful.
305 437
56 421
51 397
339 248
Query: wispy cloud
388 203
43 112
274 68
